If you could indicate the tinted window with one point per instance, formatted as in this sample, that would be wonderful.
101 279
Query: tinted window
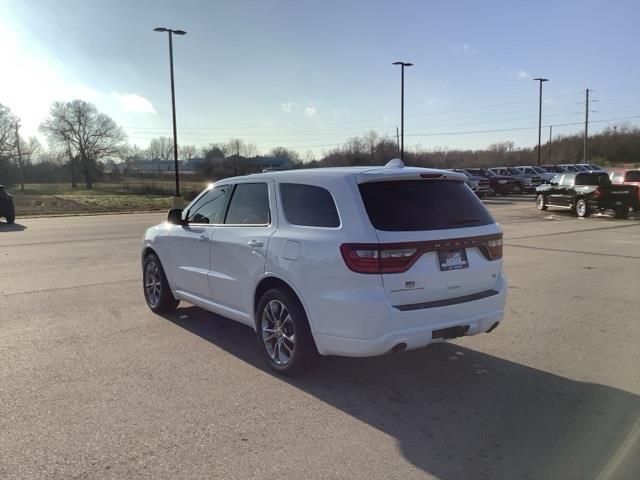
249 205
308 205
515 171
632 176
422 205
593 179
210 207
556 179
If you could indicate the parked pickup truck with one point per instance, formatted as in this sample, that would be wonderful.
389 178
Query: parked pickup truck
478 183
626 177
587 192
501 184
527 182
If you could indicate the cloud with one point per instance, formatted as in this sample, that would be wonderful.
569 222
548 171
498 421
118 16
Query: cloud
522 74
132 102
519 74
310 111
288 106
464 48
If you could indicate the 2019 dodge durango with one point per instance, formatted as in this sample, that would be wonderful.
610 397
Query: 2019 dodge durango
352 261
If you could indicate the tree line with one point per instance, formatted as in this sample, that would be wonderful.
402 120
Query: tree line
84 142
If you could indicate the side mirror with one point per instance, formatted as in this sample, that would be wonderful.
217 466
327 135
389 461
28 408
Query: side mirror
175 216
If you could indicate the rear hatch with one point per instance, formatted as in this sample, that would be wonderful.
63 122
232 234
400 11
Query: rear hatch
437 241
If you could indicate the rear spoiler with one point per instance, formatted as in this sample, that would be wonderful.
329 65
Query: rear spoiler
408 173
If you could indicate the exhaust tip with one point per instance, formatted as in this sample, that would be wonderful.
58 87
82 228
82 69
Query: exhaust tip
399 347
493 327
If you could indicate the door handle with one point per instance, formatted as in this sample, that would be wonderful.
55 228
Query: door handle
255 244
203 238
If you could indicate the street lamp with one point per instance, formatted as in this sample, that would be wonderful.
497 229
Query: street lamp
171 32
402 65
540 114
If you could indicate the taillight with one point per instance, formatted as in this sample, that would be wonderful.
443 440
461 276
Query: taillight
597 193
399 257
494 248
377 258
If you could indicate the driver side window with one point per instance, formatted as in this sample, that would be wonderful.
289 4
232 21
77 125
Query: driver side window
211 207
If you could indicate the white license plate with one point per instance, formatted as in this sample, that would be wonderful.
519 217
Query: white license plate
453 259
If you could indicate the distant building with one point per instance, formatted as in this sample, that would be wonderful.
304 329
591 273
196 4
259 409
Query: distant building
272 163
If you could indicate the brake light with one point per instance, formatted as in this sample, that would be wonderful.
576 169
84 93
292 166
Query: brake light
399 257
494 249
597 193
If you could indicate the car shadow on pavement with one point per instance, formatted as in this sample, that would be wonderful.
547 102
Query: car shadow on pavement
457 413
11 227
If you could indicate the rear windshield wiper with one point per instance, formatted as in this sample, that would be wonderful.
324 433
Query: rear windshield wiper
464 220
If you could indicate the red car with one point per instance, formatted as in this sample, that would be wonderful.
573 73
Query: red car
626 177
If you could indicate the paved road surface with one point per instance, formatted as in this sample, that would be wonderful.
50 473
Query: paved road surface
93 385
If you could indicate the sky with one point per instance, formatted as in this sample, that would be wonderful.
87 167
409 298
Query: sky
308 75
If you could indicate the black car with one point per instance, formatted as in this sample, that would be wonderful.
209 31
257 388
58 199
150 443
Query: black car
585 193
498 183
7 210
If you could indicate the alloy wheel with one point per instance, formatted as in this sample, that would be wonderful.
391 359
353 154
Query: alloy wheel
278 332
152 283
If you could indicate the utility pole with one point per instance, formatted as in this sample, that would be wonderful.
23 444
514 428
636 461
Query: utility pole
550 136
398 138
586 126
402 65
540 114
172 32
20 165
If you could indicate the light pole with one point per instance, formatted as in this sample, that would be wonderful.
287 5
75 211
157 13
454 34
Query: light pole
402 65
173 101
540 114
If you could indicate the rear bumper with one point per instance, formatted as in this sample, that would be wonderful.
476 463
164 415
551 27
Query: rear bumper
612 204
479 315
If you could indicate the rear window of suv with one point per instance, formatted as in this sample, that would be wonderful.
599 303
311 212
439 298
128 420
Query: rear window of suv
413 205
308 205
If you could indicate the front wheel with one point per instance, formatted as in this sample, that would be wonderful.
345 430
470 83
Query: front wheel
10 219
541 202
622 212
283 333
157 291
582 209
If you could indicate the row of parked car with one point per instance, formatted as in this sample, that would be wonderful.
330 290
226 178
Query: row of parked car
520 179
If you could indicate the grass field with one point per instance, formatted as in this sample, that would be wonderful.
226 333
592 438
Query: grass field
123 196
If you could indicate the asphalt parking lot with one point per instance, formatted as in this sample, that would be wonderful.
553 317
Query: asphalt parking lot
93 385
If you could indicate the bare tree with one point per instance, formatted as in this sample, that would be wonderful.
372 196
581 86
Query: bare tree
187 152
23 155
88 135
160 148
7 131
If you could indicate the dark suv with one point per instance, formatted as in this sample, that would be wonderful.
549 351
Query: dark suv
7 210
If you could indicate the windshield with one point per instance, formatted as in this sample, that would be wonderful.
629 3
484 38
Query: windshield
539 170
412 205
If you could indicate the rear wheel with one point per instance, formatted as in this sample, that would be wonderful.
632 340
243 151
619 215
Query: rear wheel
283 333
157 292
517 189
10 218
582 209
541 202
622 212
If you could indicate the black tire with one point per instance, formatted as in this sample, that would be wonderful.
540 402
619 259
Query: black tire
517 189
155 287
10 219
622 212
541 202
582 208
277 326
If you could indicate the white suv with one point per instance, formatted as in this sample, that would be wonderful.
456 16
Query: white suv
333 261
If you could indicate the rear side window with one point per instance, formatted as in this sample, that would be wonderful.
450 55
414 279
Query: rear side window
249 205
593 179
413 205
308 205
632 176
567 180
